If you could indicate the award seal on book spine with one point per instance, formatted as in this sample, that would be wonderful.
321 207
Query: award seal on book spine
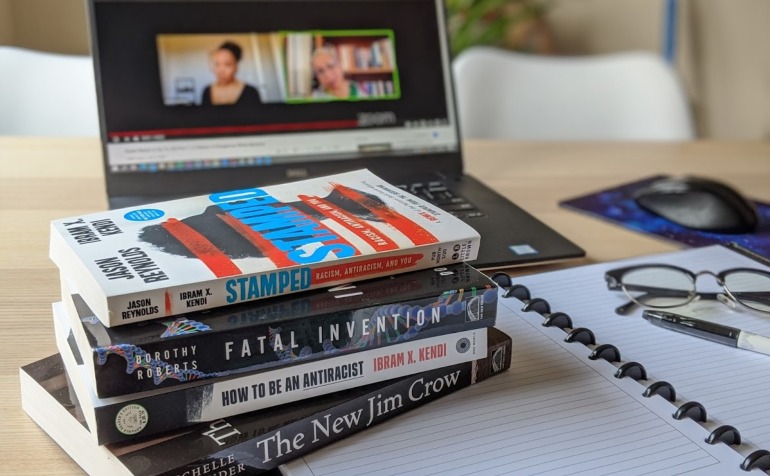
131 419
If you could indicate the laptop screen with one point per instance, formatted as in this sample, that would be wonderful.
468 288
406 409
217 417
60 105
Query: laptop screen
284 87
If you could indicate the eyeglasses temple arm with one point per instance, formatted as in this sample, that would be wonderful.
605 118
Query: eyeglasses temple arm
759 297
656 291
626 308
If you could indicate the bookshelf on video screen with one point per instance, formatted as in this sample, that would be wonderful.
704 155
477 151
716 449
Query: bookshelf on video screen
203 84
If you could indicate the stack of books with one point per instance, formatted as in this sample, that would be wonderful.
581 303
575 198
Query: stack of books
230 333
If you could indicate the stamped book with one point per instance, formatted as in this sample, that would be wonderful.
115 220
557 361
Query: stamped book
282 331
170 258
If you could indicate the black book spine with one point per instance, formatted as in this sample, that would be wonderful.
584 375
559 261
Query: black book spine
252 443
318 326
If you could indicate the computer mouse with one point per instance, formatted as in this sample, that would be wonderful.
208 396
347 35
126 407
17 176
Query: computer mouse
699 203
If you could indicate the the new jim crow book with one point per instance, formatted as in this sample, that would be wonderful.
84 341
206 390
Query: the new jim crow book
281 331
142 263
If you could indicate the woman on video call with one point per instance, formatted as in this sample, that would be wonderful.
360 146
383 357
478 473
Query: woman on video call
331 78
227 88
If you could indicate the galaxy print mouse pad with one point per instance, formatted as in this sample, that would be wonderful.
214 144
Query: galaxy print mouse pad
617 205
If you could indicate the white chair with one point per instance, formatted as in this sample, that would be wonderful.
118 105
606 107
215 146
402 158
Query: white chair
46 94
624 96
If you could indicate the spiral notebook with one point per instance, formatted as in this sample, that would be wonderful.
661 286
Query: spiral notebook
588 393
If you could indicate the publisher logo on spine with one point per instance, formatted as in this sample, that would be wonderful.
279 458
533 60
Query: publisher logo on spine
131 419
144 214
463 345
498 360
473 309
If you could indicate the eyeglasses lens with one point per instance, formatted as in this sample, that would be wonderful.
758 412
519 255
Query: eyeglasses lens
750 289
655 286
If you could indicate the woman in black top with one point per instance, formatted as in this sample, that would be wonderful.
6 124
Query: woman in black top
227 88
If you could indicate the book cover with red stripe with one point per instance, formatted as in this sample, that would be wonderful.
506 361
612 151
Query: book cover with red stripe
171 258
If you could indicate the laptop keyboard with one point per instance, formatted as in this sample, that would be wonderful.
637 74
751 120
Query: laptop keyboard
437 193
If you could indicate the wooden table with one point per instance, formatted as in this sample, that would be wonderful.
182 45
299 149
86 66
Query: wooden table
43 179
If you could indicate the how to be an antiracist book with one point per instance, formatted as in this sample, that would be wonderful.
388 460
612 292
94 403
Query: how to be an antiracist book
169 258
280 331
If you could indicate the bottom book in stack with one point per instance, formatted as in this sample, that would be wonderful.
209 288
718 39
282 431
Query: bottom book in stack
247 443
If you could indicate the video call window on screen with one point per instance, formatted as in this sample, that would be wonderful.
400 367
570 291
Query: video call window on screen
292 67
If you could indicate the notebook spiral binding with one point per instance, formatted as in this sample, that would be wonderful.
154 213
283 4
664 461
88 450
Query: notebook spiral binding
759 459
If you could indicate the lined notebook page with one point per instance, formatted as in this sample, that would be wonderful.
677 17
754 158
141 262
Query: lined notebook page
733 384
552 413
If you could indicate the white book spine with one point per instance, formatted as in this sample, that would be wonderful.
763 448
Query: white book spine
322 377
174 257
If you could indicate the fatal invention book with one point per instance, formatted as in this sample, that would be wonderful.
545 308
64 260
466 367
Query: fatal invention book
281 331
169 258
250 443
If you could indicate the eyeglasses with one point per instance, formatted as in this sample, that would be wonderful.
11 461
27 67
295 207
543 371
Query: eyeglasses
663 286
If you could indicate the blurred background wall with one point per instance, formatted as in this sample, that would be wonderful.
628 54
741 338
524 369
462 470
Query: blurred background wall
6 23
722 52
722 46
59 26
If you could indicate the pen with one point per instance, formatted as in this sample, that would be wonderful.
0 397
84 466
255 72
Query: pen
722 334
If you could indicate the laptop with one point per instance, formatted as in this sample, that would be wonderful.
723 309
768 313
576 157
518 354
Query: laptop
199 96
